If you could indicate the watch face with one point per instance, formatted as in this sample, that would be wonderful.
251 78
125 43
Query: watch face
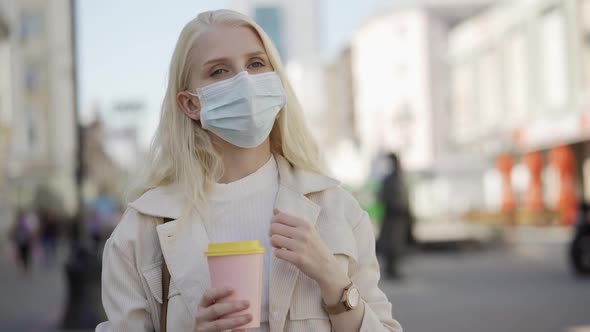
353 297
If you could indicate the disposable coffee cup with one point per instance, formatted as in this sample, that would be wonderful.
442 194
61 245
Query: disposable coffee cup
238 265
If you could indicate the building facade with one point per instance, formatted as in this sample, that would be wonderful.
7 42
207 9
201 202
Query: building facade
294 27
338 133
5 113
521 99
401 100
37 99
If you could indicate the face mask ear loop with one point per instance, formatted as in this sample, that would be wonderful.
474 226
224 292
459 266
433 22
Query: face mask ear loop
193 94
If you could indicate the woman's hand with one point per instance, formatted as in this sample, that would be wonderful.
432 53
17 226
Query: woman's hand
299 243
211 316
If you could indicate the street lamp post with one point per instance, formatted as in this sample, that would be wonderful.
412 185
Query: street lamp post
83 309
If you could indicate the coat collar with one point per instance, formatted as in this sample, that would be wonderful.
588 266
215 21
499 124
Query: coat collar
164 201
167 201
302 181
182 241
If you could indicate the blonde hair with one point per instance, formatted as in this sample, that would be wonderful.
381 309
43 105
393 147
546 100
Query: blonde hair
182 152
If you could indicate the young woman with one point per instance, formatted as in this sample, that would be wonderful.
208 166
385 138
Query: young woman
232 160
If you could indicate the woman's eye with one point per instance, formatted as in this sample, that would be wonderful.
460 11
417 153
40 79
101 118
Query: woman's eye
257 64
218 72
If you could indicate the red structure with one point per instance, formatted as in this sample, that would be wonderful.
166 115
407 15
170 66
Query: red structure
563 160
504 165
534 195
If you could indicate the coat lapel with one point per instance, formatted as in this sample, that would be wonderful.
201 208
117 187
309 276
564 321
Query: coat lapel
283 274
183 243
292 199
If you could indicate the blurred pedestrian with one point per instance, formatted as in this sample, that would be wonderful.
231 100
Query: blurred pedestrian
49 224
580 246
103 211
397 224
23 234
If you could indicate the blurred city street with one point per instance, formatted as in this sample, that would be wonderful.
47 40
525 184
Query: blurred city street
521 287
31 302
518 287
462 126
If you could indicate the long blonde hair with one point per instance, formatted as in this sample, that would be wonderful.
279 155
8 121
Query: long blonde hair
182 152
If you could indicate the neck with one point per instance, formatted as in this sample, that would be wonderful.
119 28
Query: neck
239 162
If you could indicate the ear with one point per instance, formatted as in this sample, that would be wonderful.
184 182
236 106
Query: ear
190 105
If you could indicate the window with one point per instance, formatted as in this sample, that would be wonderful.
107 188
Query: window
271 21
31 24
34 129
553 65
3 112
31 130
515 76
462 101
488 83
3 27
584 19
32 78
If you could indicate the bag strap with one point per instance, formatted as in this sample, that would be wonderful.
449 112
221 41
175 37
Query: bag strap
165 289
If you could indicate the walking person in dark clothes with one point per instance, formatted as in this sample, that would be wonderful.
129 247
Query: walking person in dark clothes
23 234
580 244
49 234
396 226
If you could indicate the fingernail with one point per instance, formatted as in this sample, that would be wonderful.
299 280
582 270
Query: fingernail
276 211
244 304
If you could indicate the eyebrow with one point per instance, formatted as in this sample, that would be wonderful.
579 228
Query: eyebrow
247 55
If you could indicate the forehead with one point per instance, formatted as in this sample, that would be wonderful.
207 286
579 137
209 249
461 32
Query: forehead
223 41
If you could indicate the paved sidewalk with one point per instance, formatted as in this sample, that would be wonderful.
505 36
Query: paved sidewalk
523 287
31 302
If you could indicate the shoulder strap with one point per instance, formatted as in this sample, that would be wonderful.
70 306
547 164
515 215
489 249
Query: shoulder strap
165 289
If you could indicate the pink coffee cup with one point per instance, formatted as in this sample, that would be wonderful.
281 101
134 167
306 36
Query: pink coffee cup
239 266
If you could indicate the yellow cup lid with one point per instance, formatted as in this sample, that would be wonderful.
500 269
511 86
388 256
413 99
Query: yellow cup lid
234 248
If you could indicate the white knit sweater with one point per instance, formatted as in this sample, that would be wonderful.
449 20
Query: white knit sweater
242 210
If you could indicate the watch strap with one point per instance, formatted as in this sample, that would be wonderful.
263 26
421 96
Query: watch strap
339 307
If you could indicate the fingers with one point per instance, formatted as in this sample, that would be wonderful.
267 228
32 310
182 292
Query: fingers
212 295
288 256
279 241
217 310
227 323
286 219
284 230
213 316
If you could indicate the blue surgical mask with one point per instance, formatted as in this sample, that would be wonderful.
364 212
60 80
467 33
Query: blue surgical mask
242 109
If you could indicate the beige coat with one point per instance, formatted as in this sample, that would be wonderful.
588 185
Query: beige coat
131 276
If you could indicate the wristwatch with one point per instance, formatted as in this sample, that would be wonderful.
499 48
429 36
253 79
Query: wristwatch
350 300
